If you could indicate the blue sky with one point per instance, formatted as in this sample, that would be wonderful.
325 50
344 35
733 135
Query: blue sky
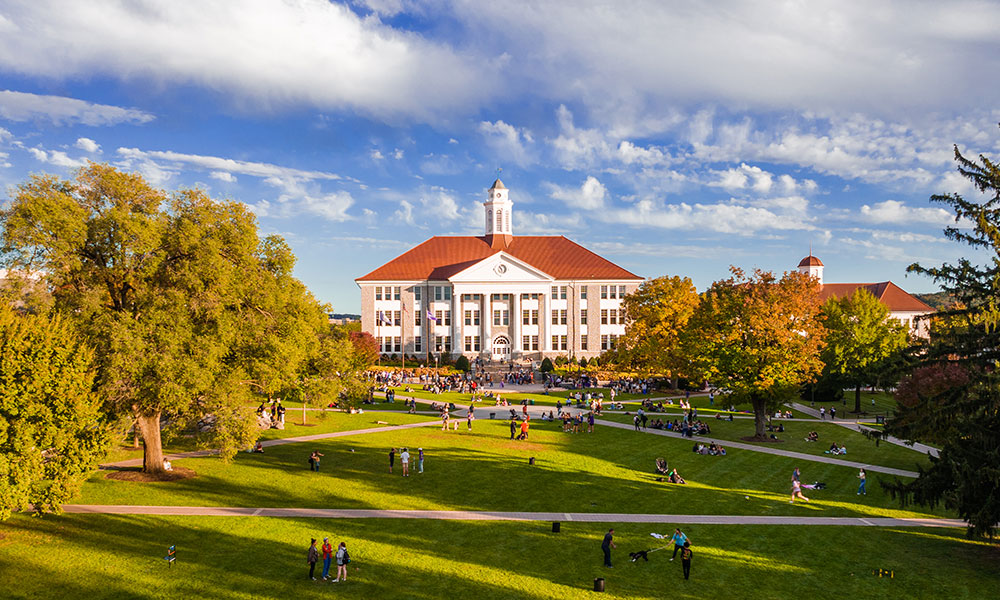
671 137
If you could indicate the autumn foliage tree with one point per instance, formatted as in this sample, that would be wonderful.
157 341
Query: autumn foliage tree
657 314
759 336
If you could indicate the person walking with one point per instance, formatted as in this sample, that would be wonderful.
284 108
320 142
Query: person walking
513 428
404 457
420 459
470 417
524 430
342 559
686 559
607 545
861 487
822 412
590 422
679 539
311 558
327 556
392 458
833 412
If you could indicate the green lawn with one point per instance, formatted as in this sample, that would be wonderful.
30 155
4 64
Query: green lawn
859 448
104 556
609 471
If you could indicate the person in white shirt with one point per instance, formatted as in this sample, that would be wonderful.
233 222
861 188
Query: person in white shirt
405 458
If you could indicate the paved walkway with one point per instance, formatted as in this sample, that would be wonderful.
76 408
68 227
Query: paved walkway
475 515
137 462
775 451
856 426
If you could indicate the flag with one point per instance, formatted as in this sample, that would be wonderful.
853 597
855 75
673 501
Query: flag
384 319
430 316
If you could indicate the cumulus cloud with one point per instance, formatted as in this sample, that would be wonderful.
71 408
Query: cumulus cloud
731 218
263 54
225 176
56 157
896 212
202 162
59 110
589 196
87 145
508 142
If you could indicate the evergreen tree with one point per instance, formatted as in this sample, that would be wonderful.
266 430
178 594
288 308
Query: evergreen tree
960 405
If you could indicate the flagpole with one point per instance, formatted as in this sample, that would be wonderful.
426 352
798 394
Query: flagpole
378 334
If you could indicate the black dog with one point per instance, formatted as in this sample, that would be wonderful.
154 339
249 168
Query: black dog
640 554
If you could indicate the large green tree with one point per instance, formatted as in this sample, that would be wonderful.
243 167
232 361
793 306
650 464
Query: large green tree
759 336
861 339
959 404
187 309
656 317
51 428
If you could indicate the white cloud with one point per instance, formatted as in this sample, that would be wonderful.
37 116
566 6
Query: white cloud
223 176
398 154
57 158
508 142
255 169
896 212
405 212
263 54
376 154
59 110
332 206
732 218
87 145
589 196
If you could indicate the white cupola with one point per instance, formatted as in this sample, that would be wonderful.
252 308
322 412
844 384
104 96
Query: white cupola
812 266
498 210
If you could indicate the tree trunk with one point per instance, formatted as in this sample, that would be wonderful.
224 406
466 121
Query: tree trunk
857 398
135 437
759 418
152 448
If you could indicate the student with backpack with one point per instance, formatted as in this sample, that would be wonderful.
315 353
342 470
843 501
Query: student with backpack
686 559
343 558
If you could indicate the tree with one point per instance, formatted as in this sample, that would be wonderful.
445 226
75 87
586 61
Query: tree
960 406
187 309
759 336
51 430
365 348
546 366
656 316
462 364
860 339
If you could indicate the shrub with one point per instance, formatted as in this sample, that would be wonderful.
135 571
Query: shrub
546 366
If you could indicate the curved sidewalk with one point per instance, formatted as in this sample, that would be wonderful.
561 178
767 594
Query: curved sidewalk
775 451
476 515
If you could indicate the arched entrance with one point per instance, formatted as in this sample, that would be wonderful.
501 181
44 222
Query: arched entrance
501 348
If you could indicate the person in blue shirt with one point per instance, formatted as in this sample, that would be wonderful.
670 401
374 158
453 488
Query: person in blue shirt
678 539
606 545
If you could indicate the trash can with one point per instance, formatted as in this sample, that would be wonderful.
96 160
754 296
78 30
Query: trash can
492 415
599 584
879 420
555 527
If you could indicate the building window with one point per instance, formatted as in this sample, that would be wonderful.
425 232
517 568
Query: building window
416 293
418 316
534 342
562 316
604 316
468 343
613 292
583 342
555 316
563 341
613 317
496 316
397 343
526 317
621 291
475 343
475 317
468 320
583 292
526 343
417 344
447 317
438 343
612 339
499 226
534 317
447 343
437 292
439 317
396 320
562 292
395 293
604 341
604 292
555 292
583 316
378 292
555 342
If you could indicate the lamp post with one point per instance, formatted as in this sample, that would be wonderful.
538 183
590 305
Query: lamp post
437 356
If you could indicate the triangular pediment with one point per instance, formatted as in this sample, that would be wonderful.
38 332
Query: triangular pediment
501 267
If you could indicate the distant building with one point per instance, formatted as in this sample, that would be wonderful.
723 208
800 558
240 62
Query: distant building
903 306
498 295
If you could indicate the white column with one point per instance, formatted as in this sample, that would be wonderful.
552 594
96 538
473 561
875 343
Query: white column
515 324
457 343
544 331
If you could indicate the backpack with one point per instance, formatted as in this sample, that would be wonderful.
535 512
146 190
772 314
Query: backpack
347 557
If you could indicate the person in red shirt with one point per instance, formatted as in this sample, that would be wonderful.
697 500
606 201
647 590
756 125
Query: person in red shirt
327 557
524 430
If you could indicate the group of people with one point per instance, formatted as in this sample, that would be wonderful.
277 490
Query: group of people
404 460
577 423
712 449
341 555
836 448
271 415
679 539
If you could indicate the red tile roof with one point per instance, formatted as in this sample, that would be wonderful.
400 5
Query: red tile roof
887 292
441 257
810 261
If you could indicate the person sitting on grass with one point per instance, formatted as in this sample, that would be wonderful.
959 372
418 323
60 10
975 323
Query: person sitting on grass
812 437
675 477
661 466
259 448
